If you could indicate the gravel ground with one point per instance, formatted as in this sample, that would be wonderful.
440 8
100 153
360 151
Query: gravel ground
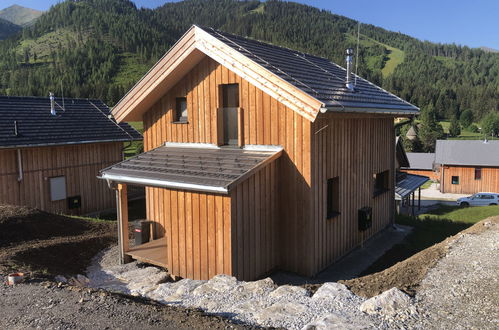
462 290
46 306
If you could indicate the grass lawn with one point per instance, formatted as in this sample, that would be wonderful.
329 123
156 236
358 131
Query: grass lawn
135 147
429 229
427 184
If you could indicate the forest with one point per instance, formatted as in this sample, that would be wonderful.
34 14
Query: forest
100 48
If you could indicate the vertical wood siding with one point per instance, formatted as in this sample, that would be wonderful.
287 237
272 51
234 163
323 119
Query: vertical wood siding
467 183
80 164
266 121
429 173
353 150
255 225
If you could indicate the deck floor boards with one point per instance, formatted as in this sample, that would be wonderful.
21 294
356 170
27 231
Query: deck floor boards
153 252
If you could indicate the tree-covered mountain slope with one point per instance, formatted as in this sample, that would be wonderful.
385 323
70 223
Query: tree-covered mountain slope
100 48
7 29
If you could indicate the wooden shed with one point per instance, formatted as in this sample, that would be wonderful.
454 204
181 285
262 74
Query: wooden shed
256 158
468 166
51 153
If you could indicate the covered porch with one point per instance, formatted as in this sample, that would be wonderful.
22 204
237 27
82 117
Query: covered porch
189 201
405 192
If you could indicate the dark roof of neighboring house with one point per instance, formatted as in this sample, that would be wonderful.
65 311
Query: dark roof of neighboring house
316 76
191 166
467 152
420 160
81 121
408 184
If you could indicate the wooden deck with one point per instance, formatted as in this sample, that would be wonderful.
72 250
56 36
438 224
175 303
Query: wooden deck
153 252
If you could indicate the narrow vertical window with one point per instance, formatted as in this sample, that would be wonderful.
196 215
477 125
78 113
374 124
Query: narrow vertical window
455 179
181 109
381 183
333 197
229 100
478 173
57 188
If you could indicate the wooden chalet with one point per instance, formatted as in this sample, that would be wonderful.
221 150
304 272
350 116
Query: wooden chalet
468 166
52 150
422 163
257 158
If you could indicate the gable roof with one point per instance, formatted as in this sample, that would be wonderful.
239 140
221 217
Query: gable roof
421 160
467 152
307 84
82 121
191 167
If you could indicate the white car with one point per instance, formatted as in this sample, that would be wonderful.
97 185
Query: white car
479 199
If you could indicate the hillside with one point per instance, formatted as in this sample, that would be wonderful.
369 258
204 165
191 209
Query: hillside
19 15
99 48
7 29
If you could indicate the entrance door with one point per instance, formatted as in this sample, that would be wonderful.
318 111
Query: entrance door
230 109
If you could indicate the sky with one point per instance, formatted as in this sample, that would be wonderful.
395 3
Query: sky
466 22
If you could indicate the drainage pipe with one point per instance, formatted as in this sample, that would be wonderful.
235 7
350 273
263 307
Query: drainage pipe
19 166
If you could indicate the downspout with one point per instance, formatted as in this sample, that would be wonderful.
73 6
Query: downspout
20 174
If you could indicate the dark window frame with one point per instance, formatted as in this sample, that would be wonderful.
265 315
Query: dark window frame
478 173
333 197
381 183
454 179
179 119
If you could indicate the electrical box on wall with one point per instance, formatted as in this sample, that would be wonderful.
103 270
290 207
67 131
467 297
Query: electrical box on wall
365 218
74 202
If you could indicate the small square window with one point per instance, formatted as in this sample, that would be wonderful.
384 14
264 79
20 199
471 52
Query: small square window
181 109
333 197
381 182
478 173
455 180
58 188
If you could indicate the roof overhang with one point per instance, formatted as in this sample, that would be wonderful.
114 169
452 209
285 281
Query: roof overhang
381 109
192 166
408 185
194 45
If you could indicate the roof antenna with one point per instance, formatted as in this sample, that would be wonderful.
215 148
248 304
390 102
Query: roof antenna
357 55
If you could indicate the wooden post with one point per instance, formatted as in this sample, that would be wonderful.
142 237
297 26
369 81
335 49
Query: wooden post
419 198
240 127
122 212
413 212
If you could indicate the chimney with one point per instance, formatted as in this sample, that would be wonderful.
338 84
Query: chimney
349 58
52 104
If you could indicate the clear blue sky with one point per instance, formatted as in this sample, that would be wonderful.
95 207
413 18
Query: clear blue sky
468 22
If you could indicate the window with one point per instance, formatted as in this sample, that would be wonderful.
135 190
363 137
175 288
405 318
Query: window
381 183
333 197
455 180
478 173
229 102
181 109
57 188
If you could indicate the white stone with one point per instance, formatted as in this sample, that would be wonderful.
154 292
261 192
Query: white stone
388 303
336 321
288 291
332 290
60 278
260 287
219 283
280 312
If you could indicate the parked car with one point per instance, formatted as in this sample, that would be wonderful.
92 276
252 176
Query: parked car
479 199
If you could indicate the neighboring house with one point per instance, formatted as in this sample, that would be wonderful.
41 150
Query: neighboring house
468 166
421 163
51 153
257 158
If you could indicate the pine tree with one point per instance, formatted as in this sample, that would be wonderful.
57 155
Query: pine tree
454 128
430 130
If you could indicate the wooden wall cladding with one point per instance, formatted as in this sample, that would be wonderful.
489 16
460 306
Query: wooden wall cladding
80 164
467 183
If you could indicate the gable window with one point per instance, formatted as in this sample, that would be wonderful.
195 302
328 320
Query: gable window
478 173
381 182
455 179
57 188
333 197
230 116
181 110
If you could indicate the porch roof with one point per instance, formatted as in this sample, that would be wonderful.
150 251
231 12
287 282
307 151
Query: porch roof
193 166
408 184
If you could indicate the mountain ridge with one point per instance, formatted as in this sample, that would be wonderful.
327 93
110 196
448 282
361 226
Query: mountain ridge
100 48
20 15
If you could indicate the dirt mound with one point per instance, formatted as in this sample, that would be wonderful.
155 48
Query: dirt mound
49 244
20 224
406 275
